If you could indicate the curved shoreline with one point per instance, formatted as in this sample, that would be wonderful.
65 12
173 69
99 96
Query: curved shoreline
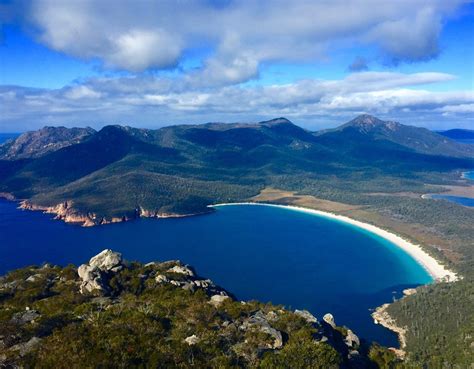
435 269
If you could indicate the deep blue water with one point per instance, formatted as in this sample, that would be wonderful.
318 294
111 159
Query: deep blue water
6 136
256 252
465 201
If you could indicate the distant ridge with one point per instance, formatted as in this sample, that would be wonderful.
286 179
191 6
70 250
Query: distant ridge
416 138
458 134
124 172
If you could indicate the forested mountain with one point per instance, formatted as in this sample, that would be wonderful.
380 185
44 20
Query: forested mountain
122 171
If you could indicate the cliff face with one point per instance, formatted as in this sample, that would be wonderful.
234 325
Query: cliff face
110 312
66 212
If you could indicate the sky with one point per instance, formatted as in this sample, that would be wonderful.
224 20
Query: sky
318 63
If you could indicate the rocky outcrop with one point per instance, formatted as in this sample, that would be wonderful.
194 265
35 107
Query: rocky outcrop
329 319
260 322
183 276
306 315
192 340
66 212
96 273
250 329
351 340
27 316
100 269
218 300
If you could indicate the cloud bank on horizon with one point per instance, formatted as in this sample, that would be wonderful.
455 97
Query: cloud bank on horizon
165 62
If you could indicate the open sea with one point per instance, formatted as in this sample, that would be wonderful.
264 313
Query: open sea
288 257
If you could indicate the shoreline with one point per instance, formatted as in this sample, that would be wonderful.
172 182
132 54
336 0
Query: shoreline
464 175
434 268
380 315
68 214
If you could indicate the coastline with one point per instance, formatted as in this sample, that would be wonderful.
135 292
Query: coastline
68 214
436 270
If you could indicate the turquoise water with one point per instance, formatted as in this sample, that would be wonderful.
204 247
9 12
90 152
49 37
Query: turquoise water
256 252
469 175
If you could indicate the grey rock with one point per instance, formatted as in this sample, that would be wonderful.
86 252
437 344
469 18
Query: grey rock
26 347
328 318
160 278
182 269
192 340
260 322
217 300
351 339
26 316
107 260
34 277
306 315
92 274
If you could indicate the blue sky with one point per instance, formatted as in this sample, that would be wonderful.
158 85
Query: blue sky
319 63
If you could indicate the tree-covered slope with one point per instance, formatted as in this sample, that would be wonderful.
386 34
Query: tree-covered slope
181 169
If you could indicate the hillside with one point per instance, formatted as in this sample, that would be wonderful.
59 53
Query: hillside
122 172
39 143
422 140
111 313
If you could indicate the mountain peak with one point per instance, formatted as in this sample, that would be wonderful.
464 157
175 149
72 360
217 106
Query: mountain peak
366 123
276 121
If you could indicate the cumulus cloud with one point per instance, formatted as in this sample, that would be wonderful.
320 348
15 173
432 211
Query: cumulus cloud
138 35
153 102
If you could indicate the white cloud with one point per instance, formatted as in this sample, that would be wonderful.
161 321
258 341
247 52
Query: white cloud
138 35
150 101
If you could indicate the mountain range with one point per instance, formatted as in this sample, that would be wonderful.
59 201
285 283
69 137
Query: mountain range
123 172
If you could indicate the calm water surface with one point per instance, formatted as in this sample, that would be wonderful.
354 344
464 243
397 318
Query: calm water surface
465 201
7 136
257 252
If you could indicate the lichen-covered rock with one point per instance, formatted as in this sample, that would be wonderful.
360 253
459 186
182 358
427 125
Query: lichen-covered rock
329 319
192 340
306 315
217 300
260 322
26 347
107 260
93 273
351 339
182 269
26 316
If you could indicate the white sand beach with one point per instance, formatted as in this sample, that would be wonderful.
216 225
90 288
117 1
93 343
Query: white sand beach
432 266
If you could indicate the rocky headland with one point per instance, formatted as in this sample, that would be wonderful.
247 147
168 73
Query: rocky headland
66 212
